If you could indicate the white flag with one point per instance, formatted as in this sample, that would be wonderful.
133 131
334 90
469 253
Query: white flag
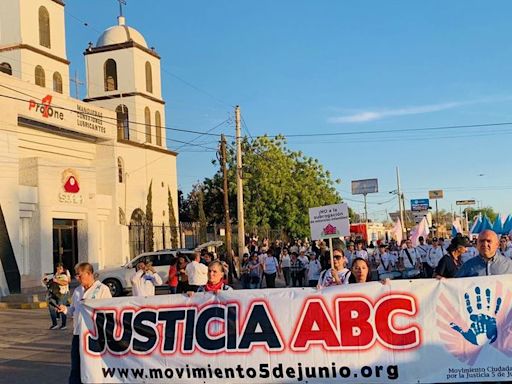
397 231
420 230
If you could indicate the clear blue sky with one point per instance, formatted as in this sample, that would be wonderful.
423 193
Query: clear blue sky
325 66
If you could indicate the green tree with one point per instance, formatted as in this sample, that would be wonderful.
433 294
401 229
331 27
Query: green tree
149 220
203 223
485 211
280 185
172 220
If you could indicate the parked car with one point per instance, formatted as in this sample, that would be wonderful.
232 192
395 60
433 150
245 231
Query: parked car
118 279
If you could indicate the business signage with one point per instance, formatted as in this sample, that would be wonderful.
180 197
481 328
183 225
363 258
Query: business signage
436 194
363 187
420 204
465 202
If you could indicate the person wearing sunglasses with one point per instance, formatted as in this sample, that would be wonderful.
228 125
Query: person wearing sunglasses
338 274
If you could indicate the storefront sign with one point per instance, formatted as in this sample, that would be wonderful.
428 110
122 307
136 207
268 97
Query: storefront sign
71 188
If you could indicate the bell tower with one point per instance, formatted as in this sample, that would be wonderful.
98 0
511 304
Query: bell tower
123 74
33 42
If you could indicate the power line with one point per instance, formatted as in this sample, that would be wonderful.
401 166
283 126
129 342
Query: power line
105 117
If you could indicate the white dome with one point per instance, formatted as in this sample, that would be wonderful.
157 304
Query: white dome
120 34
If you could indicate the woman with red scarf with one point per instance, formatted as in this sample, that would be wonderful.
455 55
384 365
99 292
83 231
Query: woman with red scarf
215 282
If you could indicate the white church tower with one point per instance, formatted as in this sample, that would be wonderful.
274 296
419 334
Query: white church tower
123 74
33 42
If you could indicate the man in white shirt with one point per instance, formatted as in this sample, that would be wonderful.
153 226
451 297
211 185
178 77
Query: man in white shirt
145 280
422 250
434 254
196 272
410 260
87 290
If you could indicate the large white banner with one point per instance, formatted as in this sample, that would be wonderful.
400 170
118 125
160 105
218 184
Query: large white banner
421 331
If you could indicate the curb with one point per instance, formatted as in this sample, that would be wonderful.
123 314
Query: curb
38 305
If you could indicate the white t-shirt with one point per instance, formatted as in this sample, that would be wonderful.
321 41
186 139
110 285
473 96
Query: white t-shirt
434 255
414 257
361 253
386 260
423 252
314 269
270 264
304 260
285 261
197 273
143 283
96 291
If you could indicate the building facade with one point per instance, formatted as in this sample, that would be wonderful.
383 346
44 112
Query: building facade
82 180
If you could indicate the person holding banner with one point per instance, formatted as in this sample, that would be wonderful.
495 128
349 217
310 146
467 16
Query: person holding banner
489 262
452 261
89 288
216 273
360 271
339 274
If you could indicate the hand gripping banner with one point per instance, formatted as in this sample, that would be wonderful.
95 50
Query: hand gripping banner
420 331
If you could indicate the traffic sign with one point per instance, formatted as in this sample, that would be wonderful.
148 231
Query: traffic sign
420 204
436 194
465 202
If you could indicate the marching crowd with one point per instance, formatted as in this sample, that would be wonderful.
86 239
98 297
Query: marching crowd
301 264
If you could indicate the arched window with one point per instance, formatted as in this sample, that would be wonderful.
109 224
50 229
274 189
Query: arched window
123 128
40 78
57 82
147 121
158 127
120 170
110 75
137 232
149 78
6 68
44 27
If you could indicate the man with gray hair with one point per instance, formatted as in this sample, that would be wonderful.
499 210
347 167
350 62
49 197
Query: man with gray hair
489 261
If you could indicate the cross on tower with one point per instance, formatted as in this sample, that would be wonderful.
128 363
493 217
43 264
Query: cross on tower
121 3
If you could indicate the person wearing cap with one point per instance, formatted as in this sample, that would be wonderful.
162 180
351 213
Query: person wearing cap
451 262
410 260
145 279
488 262
434 255
422 250
386 267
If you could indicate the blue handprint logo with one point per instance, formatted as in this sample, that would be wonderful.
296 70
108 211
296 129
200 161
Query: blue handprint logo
483 327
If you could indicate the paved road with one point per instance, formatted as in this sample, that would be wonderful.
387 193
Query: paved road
29 352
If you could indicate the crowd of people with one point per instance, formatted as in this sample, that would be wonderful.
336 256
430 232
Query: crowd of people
301 264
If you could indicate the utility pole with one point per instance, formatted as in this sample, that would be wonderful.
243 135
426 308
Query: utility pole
239 184
399 194
227 219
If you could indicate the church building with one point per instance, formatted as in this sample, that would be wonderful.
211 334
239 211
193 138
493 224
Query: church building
82 180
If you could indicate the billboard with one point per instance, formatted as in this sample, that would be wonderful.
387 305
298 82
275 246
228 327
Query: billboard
363 187
436 194
420 204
